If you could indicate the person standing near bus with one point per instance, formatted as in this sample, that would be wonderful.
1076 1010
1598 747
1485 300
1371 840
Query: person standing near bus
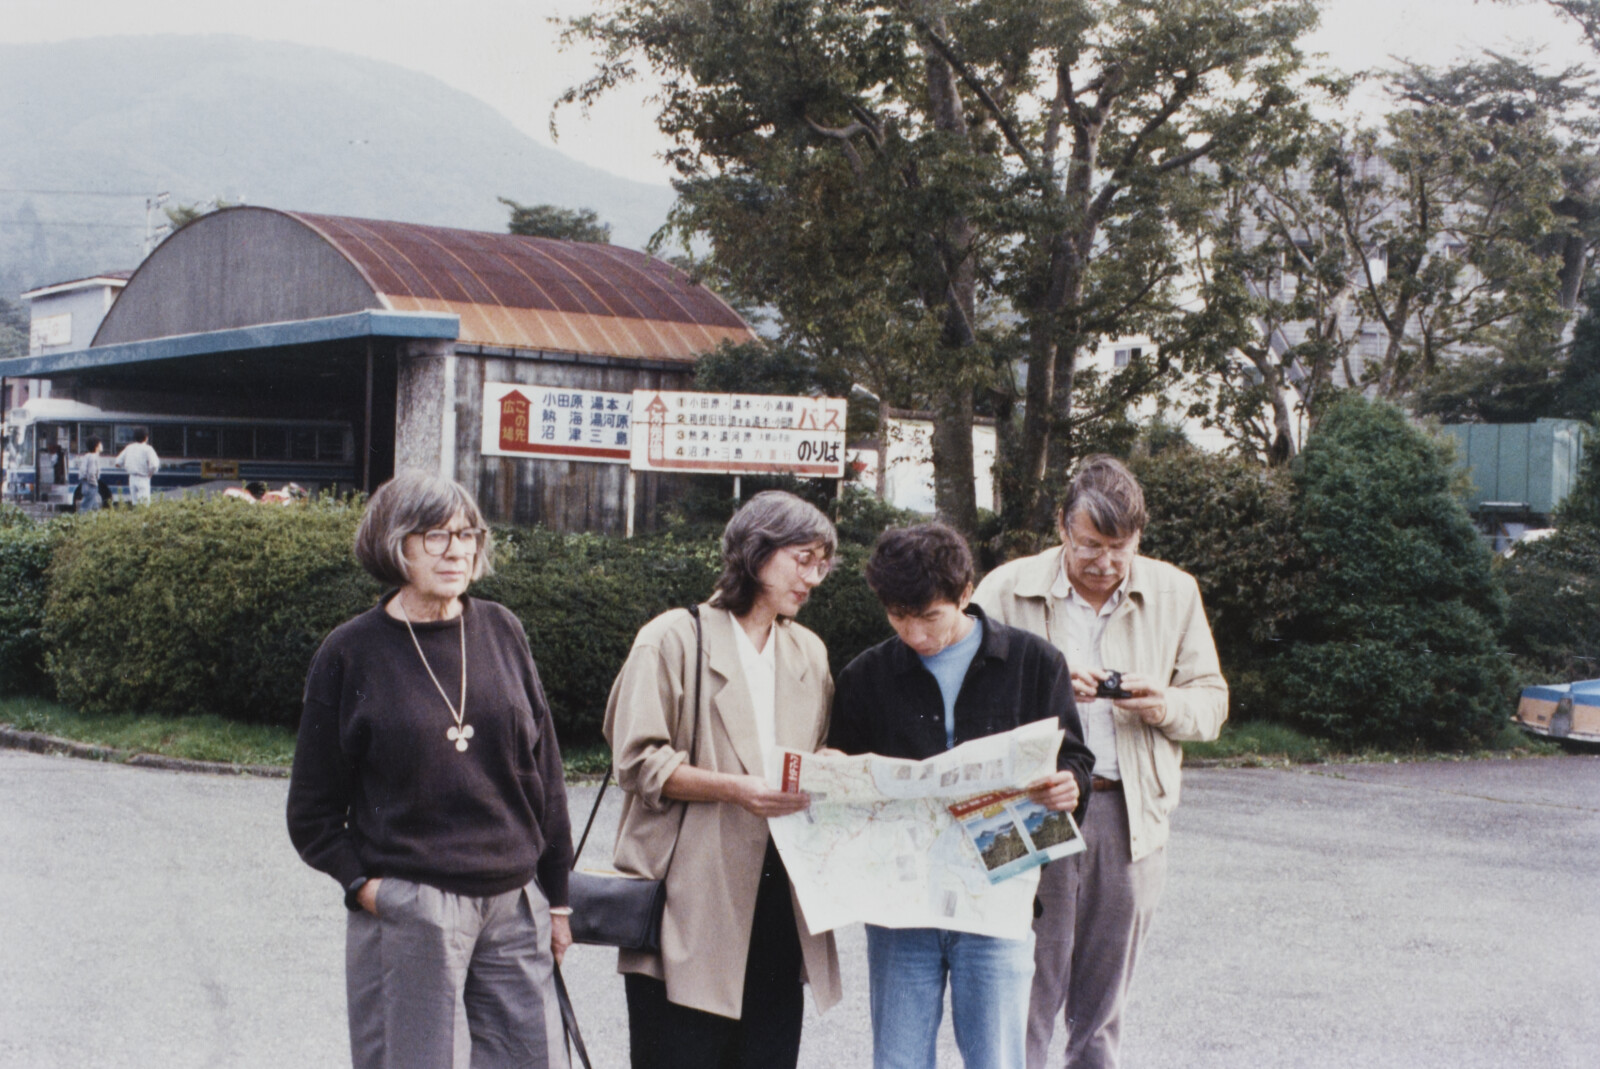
89 476
141 462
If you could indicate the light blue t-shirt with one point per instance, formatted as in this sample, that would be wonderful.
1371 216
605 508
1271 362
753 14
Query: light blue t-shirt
949 667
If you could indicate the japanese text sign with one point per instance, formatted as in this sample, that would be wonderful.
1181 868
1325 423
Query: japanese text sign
555 423
739 434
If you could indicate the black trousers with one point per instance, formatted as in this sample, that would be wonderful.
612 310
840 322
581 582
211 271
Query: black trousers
665 1035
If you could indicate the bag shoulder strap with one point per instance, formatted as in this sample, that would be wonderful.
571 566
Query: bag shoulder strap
694 745
569 1019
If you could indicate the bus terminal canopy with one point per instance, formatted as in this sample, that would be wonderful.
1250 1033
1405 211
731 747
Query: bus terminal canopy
235 357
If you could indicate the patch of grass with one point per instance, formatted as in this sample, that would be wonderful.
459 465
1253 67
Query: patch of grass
589 760
1251 743
206 738
1518 743
195 738
1256 743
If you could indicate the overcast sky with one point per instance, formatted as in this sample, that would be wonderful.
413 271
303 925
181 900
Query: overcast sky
505 51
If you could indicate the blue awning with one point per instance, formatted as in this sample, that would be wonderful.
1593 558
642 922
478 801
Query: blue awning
371 324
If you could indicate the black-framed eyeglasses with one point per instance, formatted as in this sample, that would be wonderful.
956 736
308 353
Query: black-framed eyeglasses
436 543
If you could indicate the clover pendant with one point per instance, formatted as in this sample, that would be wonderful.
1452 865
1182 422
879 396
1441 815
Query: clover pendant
459 736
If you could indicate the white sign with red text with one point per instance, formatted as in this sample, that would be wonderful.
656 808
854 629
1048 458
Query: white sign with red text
739 434
555 423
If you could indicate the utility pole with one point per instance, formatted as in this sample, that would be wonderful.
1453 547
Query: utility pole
150 206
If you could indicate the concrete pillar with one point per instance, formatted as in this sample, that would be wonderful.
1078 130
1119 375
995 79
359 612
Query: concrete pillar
425 411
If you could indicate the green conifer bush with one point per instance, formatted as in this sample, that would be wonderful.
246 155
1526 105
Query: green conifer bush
1396 643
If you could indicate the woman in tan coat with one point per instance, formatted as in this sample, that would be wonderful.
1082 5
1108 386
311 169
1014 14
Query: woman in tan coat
689 743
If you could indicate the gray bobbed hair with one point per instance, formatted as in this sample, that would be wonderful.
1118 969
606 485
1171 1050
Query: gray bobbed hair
767 522
410 503
1104 490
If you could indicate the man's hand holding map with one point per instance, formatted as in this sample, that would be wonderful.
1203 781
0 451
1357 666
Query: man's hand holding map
948 842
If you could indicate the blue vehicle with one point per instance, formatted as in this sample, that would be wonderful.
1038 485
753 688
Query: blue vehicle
316 454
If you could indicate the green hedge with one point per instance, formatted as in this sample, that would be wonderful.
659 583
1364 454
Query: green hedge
25 552
196 607
1230 522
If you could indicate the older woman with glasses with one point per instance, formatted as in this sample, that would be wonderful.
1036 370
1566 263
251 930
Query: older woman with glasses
427 783
692 721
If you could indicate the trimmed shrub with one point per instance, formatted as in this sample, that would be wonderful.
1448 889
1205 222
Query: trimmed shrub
1554 585
25 551
1554 588
1230 522
1395 644
194 607
582 598
217 607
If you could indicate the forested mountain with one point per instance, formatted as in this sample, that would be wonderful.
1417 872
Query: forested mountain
274 124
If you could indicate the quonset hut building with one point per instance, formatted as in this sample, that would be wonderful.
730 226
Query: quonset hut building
400 332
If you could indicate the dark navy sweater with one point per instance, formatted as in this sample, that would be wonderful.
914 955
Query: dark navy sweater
379 790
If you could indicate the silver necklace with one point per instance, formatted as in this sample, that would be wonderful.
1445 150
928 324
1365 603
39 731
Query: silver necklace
461 732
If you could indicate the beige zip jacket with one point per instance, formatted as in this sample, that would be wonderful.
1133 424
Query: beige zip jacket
1158 630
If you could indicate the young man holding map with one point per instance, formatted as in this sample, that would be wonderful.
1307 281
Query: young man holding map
948 677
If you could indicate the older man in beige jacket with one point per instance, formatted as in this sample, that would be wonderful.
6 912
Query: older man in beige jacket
1146 677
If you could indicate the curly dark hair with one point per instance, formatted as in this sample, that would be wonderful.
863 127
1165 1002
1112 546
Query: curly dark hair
913 567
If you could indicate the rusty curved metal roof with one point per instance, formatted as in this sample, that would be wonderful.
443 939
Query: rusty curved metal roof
535 293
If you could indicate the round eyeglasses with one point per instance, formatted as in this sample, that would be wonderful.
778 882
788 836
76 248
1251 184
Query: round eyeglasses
436 543
810 562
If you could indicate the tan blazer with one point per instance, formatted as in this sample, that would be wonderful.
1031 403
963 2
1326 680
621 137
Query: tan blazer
714 874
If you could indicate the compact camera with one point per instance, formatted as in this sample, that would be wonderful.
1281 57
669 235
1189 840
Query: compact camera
1111 687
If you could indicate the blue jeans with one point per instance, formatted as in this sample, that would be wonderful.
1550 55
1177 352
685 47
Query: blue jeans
989 981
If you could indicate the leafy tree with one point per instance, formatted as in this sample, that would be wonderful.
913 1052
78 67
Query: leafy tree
181 215
1456 199
998 182
1554 585
1276 278
1578 392
564 224
1395 643
13 329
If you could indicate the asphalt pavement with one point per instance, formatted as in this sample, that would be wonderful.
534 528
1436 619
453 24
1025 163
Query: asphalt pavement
1436 914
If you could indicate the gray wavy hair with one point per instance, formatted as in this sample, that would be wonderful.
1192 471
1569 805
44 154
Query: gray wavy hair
1105 491
767 522
410 503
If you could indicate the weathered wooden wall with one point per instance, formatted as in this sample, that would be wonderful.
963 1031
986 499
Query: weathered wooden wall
562 495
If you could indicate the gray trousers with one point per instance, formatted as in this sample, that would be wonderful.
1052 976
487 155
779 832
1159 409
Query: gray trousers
1096 909
444 981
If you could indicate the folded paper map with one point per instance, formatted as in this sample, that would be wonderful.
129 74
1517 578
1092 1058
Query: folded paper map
880 844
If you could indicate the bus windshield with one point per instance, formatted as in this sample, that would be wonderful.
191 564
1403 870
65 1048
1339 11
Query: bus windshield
18 446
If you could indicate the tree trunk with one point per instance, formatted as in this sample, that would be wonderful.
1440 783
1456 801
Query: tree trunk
954 495
1574 258
954 492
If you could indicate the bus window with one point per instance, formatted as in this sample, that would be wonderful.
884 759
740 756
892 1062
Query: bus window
236 443
302 444
272 443
330 443
101 431
201 442
124 436
167 439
